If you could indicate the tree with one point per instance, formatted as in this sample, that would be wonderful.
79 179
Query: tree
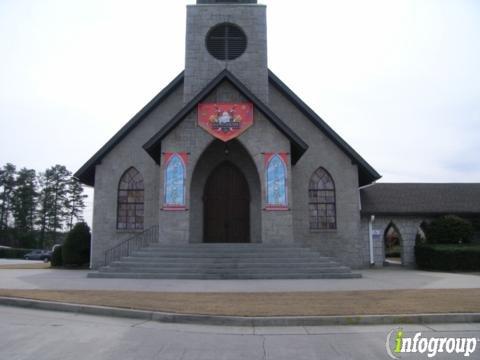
24 200
52 199
45 201
57 180
24 206
7 186
75 203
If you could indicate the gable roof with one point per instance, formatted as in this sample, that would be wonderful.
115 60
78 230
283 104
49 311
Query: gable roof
366 173
421 199
86 174
298 146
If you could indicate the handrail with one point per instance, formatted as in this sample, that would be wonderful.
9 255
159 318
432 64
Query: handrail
125 248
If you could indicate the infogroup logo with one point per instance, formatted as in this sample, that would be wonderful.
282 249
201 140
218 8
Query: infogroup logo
398 344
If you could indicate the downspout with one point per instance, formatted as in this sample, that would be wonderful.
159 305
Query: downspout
370 237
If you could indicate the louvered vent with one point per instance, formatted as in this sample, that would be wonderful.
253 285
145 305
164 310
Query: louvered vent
226 41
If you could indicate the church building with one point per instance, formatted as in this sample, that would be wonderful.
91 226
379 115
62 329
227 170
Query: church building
227 160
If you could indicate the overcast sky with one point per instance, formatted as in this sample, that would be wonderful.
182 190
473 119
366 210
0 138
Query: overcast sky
398 80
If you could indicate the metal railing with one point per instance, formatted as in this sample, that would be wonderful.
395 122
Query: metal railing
125 248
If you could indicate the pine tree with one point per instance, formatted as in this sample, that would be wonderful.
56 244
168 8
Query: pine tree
58 177
24 206
75 203
45 201
7 186
24 199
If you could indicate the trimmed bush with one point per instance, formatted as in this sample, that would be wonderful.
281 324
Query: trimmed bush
394 251
76 249
57 257
449 229
13 253
448 257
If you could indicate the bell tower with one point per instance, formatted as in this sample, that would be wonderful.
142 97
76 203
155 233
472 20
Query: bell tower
226 35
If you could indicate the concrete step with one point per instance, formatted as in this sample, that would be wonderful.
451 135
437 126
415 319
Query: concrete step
219 255
246 276
225 261
180 257
136 264
224 270
220 260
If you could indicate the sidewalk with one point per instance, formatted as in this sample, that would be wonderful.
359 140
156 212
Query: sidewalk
374 279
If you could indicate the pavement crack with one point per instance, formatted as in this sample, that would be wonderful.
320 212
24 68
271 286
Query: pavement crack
183 354
429 327
335 350
139 323
264 339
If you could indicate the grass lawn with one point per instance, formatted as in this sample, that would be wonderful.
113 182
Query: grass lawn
26 266
378 302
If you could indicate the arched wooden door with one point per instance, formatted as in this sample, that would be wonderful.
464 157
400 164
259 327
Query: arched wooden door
226 204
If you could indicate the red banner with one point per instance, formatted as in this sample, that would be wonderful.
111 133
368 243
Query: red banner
225 121
168 155
268 156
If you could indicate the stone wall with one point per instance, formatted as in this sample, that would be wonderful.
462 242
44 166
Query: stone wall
345 242
201 67
407 226
128 153
268 226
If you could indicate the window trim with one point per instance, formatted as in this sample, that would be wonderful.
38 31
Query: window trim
268 159
318 218
135 204
183 159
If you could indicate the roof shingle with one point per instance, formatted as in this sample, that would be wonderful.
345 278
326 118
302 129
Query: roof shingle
421 198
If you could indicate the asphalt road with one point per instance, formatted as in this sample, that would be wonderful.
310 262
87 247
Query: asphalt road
45 335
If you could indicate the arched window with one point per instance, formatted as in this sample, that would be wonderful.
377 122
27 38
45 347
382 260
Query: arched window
321 195
174 182
130 201
276 182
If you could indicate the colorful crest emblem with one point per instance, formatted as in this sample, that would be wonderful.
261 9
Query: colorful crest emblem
225 121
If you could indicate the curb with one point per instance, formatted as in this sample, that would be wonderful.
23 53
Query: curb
240 320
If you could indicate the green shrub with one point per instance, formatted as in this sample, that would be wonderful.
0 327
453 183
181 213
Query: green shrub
476 224
57 257
448 257
13 253
394 251
449 229
76 249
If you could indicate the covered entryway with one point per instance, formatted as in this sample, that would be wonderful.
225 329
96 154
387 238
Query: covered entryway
203 196
226 204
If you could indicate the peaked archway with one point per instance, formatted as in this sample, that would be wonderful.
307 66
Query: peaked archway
393 245
225 168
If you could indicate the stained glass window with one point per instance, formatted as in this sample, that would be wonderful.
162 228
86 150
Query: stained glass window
276 175
175 181
322 206
130 209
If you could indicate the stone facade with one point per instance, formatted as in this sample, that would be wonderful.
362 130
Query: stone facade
251 68
408 228
204 154
322 152
126 154
346 242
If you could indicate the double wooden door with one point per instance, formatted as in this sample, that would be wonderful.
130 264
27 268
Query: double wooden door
226 204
